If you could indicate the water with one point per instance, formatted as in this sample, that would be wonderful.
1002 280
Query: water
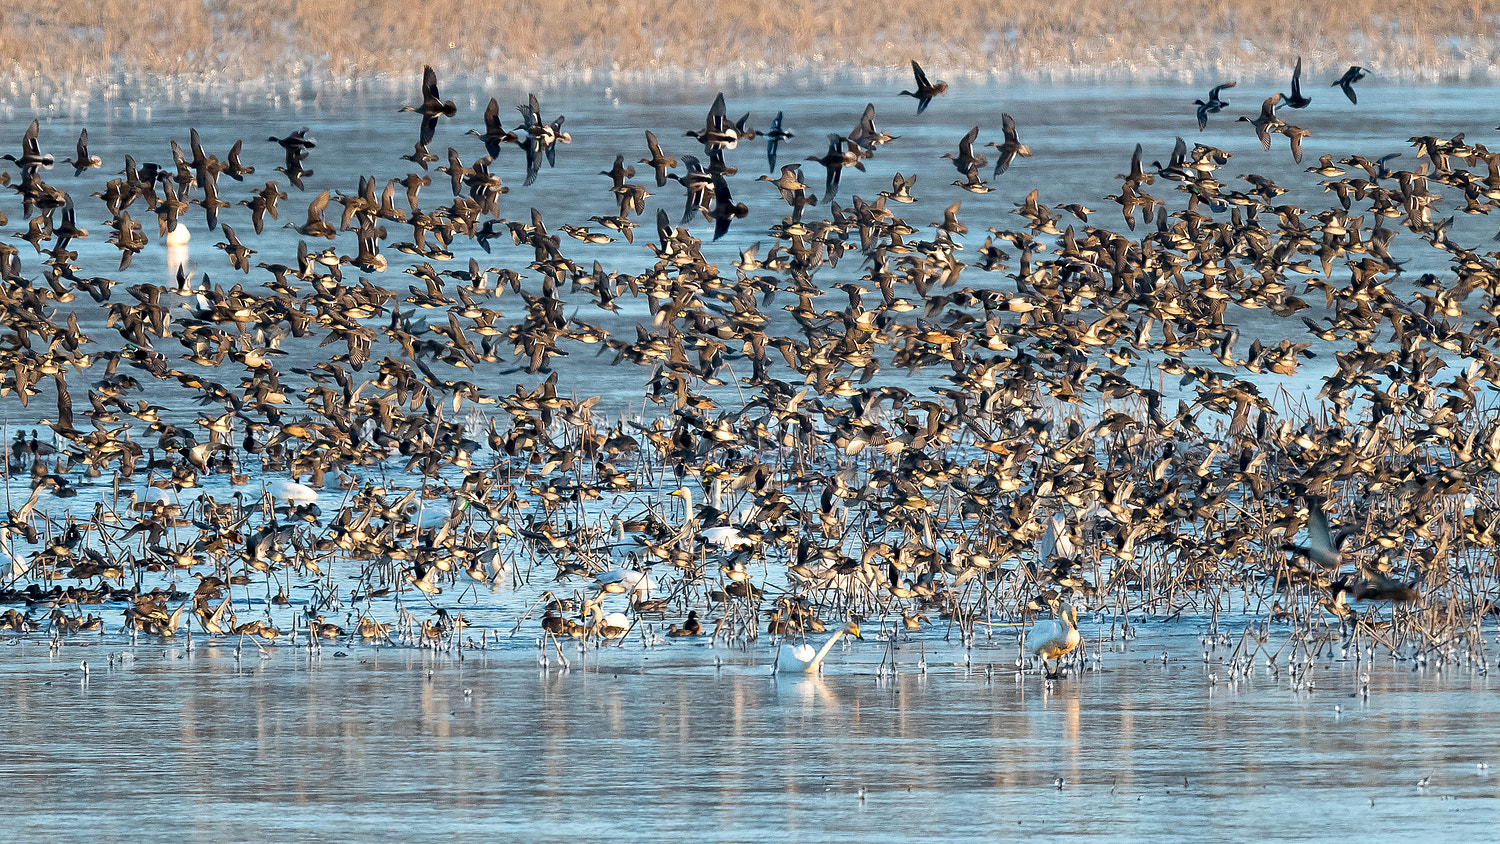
660 745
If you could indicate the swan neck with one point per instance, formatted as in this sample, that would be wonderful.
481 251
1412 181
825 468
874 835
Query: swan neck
822 652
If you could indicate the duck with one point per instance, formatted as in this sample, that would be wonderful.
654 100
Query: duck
774 137
369 628
926 89
659 161
31 153
433 106
966 161
691 627
1296 99
83 162
326 629
1368 583
1267 122
717 132
1011 147
296 144
1054 638
1212 105
494 134
802 659
1346 82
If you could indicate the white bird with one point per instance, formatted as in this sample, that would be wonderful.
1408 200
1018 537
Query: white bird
622 581
802 659
1054 638
1057 543
292 491
724 536
609 625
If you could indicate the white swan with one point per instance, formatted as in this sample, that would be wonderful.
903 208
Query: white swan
724 536
625 581
607 625
292 491
1054 638
802 659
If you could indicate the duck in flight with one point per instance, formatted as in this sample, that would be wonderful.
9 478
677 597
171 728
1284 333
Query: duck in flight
1213 105
926 89
432 107
1346 82
774 136
1368 583
1267 122
494 134
1296 99
1012 146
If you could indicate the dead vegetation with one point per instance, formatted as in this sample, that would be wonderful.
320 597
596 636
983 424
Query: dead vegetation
76 45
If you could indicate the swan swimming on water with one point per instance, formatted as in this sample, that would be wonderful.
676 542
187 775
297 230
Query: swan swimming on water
802 659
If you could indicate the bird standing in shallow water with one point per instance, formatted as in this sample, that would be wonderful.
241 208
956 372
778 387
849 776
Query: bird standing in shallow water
1054 638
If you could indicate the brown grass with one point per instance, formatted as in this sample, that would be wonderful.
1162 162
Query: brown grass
79 42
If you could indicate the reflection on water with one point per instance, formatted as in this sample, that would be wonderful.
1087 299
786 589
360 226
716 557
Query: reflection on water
662 745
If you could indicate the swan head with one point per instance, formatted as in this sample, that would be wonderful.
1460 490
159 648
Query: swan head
853 630
1066 612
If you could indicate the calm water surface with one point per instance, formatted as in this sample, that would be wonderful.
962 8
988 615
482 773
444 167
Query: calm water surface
660 744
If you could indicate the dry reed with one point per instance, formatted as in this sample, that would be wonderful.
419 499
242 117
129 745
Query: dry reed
79 47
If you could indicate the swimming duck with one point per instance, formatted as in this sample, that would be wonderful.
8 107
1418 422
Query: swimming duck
691 627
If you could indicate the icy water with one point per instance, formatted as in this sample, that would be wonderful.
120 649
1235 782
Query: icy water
661 744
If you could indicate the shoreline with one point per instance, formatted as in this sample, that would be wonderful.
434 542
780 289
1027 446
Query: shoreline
69 94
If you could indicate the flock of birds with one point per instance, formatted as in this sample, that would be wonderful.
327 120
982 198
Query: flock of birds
1036 468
